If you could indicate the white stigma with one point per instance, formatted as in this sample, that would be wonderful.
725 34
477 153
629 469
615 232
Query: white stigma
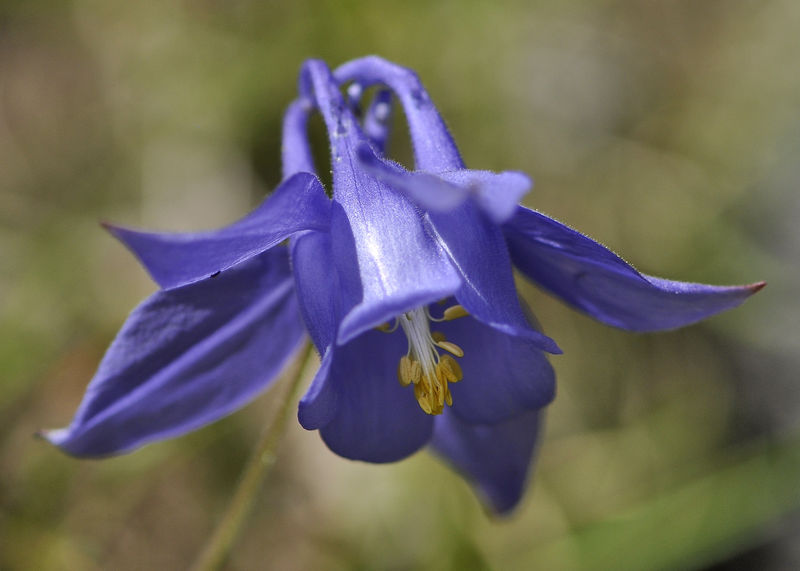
421 346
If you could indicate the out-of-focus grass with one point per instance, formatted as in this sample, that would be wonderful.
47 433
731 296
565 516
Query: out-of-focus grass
731 509
668 131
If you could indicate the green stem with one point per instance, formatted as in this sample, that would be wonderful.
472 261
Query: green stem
258 467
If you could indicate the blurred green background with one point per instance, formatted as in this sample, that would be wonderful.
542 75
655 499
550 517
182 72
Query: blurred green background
669 131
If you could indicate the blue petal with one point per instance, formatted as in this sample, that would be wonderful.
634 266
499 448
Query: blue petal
590 277
375 419
400 265
397 263
173 260
295 151
497 194
434 149
474 245
317 286
187 357
504 375
478 250
319 405
495 458
323 295
429 191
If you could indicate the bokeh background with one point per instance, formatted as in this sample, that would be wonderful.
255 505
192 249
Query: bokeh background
669 131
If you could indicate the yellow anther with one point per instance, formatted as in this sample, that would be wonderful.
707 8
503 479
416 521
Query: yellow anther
416 372
422 399
451 348
438 336
448 398
451 371
408 371
439 394
453 367
454 312
436 397
387 327
404 371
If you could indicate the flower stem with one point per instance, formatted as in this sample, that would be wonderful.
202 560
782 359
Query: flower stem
258 467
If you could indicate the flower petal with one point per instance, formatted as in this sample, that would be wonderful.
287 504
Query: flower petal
504 375
173 260
478 250
320 403
187 357
497 194
431 192
474 245
383 245
376 419
322 294
434 149
295 150
495 458
590 277
317 285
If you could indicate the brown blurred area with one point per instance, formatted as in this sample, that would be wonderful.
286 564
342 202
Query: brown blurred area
669 131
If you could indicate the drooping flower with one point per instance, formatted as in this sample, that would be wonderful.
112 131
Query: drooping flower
400 276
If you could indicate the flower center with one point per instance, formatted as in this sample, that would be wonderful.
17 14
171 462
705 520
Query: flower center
423 365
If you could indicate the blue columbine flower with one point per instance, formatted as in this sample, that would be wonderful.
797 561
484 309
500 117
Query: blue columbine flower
400 276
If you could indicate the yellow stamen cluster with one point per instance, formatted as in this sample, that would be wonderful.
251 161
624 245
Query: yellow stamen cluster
431 390
423 366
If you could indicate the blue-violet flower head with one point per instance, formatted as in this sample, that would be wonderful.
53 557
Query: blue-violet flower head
402 279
